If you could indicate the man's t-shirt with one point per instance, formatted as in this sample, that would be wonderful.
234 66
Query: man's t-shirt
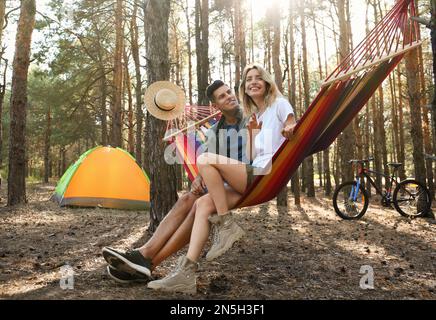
227 140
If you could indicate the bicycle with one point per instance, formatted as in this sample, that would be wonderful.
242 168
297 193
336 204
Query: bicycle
410 197
429 157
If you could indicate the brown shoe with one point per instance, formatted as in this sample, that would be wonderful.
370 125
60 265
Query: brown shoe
226 233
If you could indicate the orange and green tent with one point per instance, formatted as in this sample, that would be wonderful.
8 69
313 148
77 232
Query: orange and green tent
104 177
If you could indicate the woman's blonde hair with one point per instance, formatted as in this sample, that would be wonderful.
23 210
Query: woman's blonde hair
271 92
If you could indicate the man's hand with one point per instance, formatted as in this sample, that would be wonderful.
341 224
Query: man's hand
288 130
198 187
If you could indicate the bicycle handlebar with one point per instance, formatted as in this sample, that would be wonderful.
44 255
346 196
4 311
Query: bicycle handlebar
430 157
361 161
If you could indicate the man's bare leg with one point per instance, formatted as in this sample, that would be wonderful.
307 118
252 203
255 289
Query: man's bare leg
168 226
178 240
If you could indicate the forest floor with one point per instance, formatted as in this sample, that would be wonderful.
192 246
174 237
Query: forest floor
305 252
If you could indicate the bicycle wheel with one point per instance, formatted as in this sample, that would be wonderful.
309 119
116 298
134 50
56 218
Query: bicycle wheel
348 202
411 199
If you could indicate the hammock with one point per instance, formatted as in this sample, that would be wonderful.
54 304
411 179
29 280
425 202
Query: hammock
341 96
188 141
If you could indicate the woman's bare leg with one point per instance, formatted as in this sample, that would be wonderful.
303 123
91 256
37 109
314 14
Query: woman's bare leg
201 227
216 169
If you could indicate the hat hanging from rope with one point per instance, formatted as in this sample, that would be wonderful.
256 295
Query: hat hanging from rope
165 100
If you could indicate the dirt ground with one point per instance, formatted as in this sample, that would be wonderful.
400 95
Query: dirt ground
300 253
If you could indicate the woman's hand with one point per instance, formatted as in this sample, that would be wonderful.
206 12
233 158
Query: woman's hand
253 125
253 129
289 127
288 130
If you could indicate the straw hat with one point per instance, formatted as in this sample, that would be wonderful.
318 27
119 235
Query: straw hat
165 100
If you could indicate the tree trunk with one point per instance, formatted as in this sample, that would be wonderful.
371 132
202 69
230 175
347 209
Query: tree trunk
326 153
381 122
116 128
103 110
412 71
402 147
394 116
326 165
17 139
2 20
428 148
179 176
61 161
131 125
333 27
58 173
176 51
426 129
147 139
378 163
223 54
202 47
2 99
367 142
162 176
336 164
237 41
358 135
138 87
309 172
282 197
319 168
103 89
240 54
3 85
276 50
292 88
433 46
379 130
47 147
188 45
347 139
320 160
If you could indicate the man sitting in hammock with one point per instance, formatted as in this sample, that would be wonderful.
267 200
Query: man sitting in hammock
271 122
174 230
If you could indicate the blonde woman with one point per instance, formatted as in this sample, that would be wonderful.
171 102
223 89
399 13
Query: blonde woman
271 122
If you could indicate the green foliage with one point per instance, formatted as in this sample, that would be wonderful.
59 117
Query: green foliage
64 79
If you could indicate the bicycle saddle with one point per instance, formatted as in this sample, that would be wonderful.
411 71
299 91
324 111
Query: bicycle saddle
395 165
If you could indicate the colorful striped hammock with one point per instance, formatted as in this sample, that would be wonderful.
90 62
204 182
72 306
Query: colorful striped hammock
341 97
188 146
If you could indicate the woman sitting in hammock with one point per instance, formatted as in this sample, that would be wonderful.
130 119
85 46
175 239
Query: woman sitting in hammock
271 121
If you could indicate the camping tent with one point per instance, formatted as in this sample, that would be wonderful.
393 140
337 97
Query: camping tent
104 177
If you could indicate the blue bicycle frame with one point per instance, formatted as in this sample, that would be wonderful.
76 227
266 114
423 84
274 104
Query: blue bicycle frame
355 190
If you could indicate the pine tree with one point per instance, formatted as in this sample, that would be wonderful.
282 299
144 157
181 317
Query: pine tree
17 139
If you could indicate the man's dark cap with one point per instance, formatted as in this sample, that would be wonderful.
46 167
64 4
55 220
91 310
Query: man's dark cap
212 87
